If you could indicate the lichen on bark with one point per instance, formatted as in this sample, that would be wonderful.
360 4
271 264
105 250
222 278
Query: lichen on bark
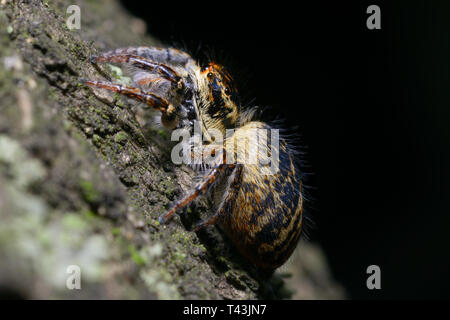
84 175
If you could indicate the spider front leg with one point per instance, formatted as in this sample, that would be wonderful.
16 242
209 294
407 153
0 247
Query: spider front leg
150 99
170 56
199 189
146 64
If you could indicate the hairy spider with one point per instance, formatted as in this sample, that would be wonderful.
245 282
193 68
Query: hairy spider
261 211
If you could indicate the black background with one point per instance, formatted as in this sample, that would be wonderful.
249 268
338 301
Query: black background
372 105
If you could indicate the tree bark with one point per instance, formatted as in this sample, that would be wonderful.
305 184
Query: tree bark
84 176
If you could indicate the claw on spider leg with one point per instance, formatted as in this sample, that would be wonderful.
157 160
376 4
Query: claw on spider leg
164 218
180 204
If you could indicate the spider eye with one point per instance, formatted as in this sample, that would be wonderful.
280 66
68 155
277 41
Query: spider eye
227 90
209 75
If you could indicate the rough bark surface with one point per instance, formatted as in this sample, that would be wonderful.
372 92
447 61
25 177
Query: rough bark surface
84 175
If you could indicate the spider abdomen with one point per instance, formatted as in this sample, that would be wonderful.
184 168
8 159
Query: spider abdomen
263 210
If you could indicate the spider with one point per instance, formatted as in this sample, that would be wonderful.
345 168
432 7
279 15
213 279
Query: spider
261 212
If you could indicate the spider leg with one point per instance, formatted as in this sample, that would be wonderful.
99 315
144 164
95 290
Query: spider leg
164 55
148 80
229 196
150 99
142 63
199 189
204 223
162 69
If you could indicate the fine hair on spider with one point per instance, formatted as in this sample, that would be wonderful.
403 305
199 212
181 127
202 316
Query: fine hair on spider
261 210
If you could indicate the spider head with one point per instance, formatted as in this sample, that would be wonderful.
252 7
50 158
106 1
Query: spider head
222 97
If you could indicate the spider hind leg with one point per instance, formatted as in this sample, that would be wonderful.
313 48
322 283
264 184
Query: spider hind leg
231 193
207 181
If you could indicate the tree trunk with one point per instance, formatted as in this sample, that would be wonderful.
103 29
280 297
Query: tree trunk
84 176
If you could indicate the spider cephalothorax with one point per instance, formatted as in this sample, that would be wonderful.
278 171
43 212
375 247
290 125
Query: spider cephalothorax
261 209
218 99
222 95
